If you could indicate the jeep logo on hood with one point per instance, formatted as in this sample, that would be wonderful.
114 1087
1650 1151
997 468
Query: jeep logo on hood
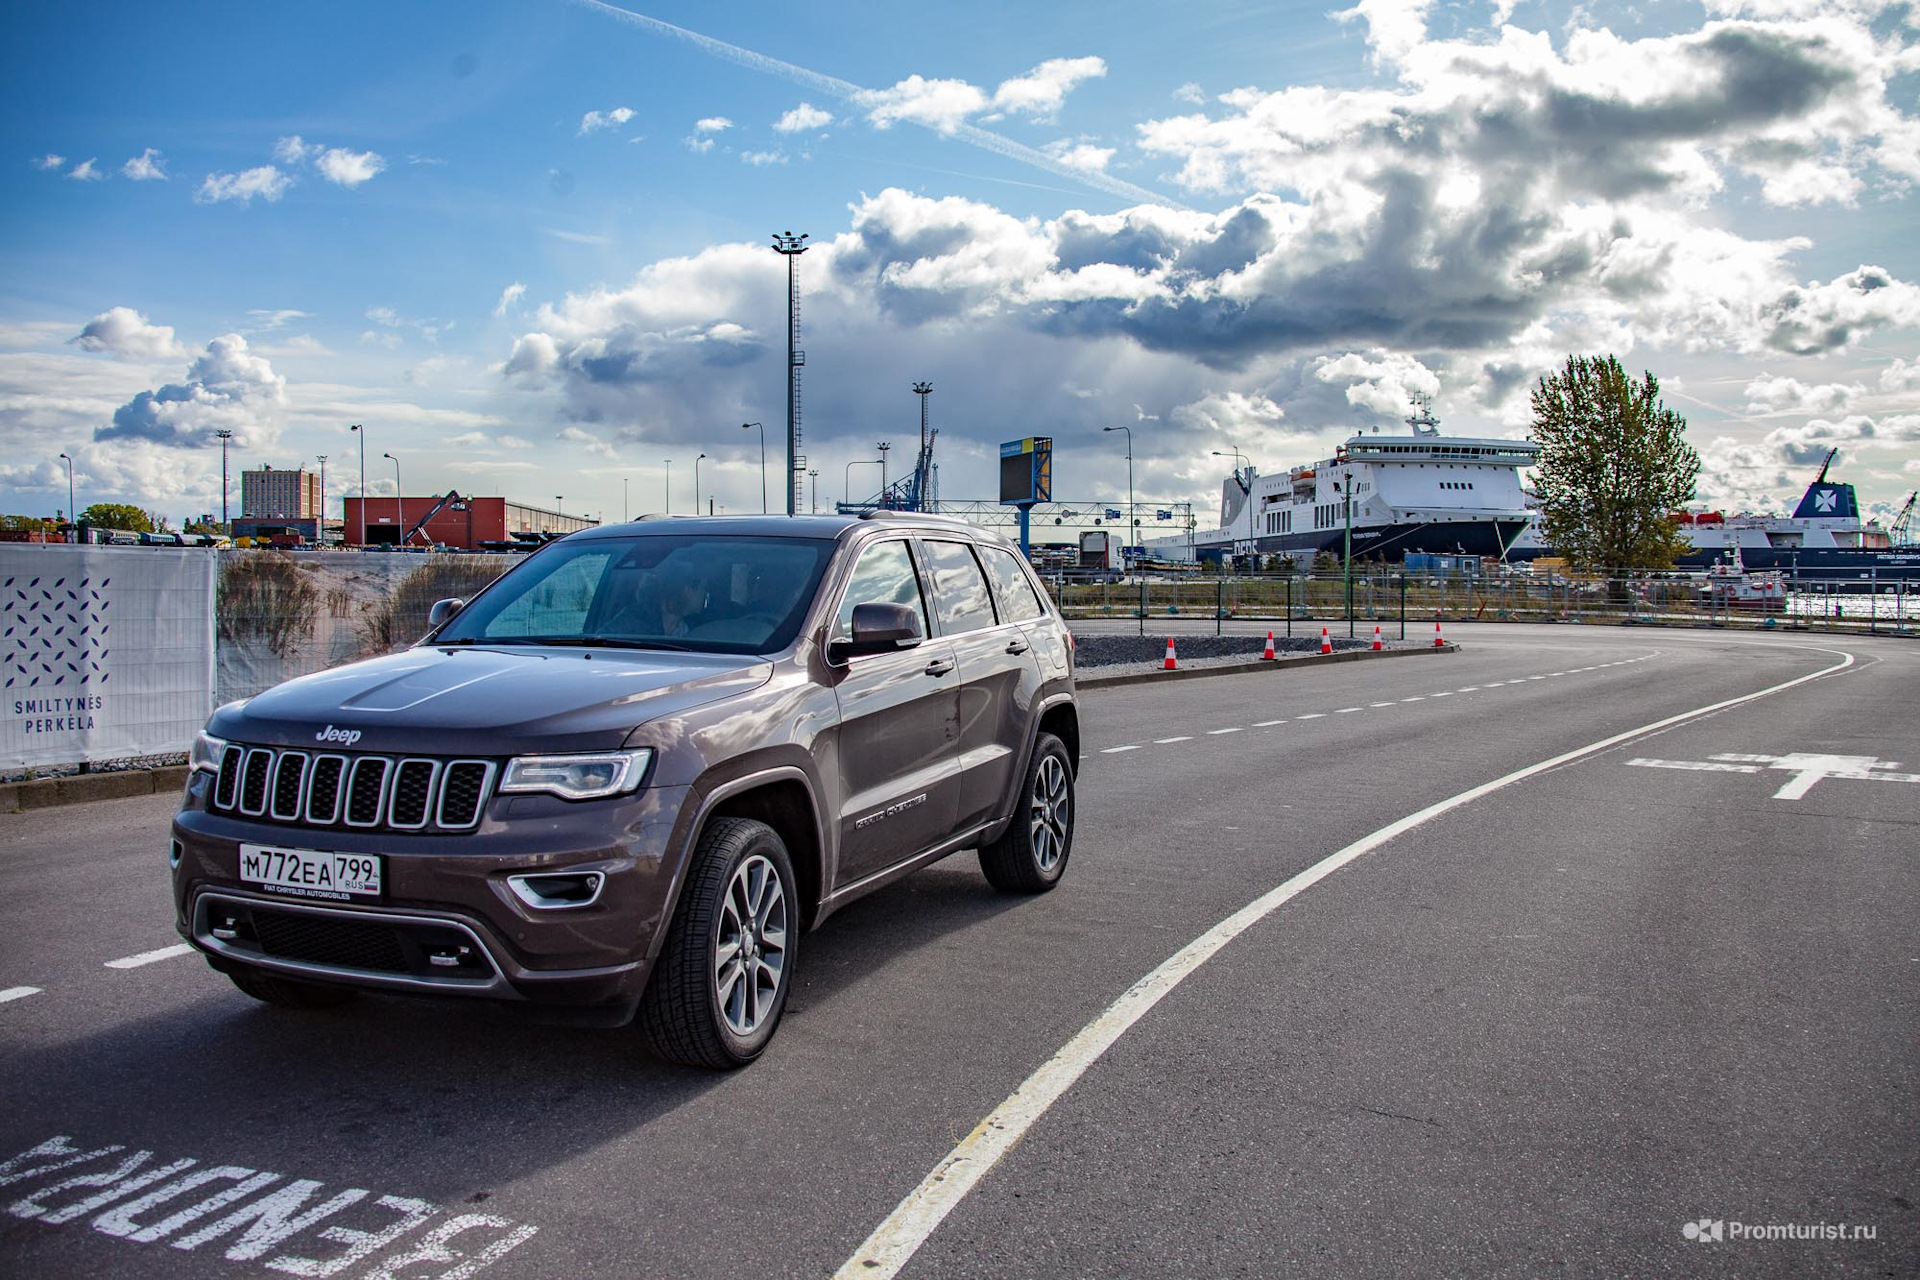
345 737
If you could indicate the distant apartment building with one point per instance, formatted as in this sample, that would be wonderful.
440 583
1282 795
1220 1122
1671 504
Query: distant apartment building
267 494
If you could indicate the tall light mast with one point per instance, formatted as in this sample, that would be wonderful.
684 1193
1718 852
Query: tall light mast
790 247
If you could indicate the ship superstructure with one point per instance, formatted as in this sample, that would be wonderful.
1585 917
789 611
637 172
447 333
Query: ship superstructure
1423 491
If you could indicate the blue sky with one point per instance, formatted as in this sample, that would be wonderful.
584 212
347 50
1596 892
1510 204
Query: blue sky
524 240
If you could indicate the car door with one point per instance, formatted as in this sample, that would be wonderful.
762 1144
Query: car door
998 678
895 763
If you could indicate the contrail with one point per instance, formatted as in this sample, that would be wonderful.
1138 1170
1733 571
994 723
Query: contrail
848 92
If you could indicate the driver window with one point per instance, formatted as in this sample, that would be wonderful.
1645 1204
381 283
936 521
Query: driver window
884 575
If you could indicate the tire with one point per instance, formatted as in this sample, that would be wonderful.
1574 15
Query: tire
285 992
706 1005
1031 854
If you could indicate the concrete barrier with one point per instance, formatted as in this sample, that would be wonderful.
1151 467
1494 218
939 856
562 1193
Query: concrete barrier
83 788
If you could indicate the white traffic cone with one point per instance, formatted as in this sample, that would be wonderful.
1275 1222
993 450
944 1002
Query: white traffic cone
1169 664
1326 641
1269 650
1377 646
1438 643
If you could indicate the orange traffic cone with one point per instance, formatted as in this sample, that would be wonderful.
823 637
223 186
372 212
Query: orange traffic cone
1326 642
1269 650
1377 646
1169 664
1438 643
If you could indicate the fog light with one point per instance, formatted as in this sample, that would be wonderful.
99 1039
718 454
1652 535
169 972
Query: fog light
228 929
450 957
557 890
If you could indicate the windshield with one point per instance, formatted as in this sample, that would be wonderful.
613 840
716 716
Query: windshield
699 592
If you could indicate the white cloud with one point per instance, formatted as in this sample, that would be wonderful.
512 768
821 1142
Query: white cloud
712 124
126 334
294 150
266 182
802 118
227 388
1232 416
1769 394
938 104
1901 375
49 161
1190 92
390 341
268 320
348 168
1380 382
86 171
514 442
763 157
508 296
591 443
148 166
699 146
1041 92
594 121
1080 155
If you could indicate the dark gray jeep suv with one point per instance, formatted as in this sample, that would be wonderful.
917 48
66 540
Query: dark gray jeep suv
626 776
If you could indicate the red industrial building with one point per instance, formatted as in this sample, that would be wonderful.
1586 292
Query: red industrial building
484 520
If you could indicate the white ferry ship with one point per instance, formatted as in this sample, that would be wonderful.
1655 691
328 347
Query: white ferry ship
1419 492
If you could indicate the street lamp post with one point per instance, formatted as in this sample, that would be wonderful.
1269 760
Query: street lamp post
623 499
696 484
790 247
320 523
399 512
883 446
1242 459
1345 489
358 431
814 506
73 517
763 462
669 488
557 500
1130 516
858 462
224 435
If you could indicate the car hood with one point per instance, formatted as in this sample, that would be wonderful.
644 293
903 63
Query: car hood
486 701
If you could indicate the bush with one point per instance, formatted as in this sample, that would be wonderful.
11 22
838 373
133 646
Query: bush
400 617
265 596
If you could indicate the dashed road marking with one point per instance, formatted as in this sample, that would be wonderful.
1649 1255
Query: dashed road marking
1267 724
1185 737
1346 711
18 993
1379 704
1114 751
1444 693
1472 688
1312 715
149 957
1418 697
1214 733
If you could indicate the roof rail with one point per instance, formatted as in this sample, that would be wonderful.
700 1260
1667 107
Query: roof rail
888 513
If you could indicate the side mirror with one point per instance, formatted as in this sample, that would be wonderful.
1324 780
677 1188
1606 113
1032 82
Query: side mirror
443 611
879 628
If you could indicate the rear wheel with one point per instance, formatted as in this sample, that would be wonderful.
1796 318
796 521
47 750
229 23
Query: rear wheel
721 981
285 992
1031 855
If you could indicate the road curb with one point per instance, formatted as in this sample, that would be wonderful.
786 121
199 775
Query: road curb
1261 664
83 788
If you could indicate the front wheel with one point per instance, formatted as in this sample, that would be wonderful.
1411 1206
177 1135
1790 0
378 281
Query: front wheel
722 978
1031 855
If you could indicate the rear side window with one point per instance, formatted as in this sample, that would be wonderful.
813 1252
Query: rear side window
959 587
1018 603
884 575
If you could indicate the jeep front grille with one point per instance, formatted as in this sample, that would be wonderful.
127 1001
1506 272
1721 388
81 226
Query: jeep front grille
365 792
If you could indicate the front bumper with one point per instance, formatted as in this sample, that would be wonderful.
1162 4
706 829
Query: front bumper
447 922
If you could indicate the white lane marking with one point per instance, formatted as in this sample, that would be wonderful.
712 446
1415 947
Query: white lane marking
1418 697
1699 766
1312 715
149 957
1536 677
1346 711
915 1218
1472 688
1185 737
1445 693
1214 733
1377 705
1552 674
1114 751
1267 724
18 993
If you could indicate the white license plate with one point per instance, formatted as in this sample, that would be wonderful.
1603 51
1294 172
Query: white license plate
310 873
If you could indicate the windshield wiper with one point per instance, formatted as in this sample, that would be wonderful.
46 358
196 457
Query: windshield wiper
607 642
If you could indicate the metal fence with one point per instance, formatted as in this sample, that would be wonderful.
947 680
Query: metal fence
1392 598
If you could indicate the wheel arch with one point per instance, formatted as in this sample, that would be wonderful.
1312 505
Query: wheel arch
783 799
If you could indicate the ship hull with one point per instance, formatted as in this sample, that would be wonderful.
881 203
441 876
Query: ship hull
1853 570
1390 543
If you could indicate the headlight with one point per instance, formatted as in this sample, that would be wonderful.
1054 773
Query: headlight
205 753
583 777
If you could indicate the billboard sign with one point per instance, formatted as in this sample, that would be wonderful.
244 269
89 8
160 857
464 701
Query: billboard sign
1026 471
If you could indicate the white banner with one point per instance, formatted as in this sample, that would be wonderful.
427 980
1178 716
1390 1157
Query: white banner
106 652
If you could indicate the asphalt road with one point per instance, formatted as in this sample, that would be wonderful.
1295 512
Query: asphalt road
1539 1032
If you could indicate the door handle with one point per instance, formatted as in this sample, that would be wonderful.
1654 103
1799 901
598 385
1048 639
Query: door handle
939 667
1017 646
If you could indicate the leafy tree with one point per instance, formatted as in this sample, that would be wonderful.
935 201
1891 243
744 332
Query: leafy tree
117 515
1614 462
25 522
